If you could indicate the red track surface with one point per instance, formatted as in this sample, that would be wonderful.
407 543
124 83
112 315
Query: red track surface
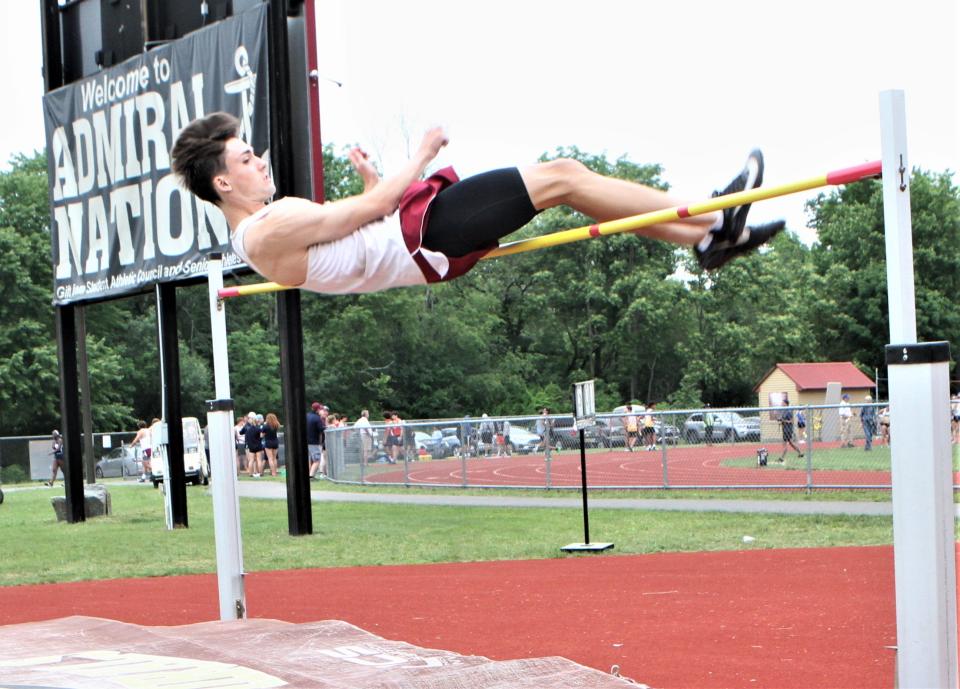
803 619
686 466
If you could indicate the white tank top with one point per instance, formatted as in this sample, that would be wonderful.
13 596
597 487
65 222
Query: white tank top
372 259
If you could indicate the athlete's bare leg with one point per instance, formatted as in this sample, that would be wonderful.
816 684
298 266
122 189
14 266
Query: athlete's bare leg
569 182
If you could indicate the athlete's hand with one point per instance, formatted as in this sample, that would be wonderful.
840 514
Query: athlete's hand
361 163
433 141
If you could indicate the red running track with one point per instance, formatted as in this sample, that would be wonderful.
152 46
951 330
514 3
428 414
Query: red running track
686 466
787 619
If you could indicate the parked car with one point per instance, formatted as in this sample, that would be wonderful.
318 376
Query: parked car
196 468
451 436
434 444
522 441
120 462
727 425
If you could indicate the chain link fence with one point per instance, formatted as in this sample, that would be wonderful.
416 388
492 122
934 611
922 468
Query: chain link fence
807 447
30 457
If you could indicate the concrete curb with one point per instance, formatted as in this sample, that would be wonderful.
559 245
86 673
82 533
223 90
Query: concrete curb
276 491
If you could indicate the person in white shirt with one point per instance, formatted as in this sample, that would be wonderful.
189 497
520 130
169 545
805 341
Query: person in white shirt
846 426
366 436
401 231
143 440
631 427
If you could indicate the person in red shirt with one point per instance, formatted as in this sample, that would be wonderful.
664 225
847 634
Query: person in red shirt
393 439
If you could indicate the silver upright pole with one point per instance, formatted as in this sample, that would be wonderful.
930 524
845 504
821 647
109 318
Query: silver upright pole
921 470
226 507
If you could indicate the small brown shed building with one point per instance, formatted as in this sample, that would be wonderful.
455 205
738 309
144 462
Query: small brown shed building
807 383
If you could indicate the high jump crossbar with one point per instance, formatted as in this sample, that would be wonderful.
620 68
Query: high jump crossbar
636 222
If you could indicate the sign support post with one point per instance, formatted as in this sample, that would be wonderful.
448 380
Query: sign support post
585 415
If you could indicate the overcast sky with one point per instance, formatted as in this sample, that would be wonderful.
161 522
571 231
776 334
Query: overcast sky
689 84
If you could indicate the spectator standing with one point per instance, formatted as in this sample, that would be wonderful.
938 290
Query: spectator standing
143 442
846 425
505 434
58 463
466 436
239 443
156 445
487 430
955 418
271 441
545 430
324 422
262 457
366 436
393 435
801 427
650 429
708 425
786 431
885 426
630 424
254 443
868 419
314 435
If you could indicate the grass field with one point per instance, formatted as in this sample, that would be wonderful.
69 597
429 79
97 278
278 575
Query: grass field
831 459
133 541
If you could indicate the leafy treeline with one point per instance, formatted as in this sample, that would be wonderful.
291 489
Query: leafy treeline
513 334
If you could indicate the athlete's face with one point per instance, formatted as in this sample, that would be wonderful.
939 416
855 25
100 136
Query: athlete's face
247 176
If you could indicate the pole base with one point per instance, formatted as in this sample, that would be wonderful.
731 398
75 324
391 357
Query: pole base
586 547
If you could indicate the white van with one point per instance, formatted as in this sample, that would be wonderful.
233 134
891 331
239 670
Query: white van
195 465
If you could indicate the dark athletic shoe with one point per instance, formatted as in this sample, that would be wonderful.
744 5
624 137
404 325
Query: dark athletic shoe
735 219
718 252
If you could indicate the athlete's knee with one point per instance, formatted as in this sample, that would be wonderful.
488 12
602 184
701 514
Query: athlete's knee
567 170
550 183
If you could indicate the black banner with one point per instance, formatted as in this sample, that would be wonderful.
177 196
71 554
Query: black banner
120 220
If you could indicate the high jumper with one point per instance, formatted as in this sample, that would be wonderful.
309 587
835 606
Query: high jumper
404 231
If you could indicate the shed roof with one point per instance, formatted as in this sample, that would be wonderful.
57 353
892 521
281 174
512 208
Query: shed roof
815 376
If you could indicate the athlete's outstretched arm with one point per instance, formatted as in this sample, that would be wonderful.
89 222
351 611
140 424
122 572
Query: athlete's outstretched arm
297 224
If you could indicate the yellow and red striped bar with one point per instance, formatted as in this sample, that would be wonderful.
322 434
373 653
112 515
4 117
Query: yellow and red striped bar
636 222
247 290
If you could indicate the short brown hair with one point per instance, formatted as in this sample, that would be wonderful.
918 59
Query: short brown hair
198 152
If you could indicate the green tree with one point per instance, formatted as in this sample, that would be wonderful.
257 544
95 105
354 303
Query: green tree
597 309
29 370
29 389
757 311
254 369
850 259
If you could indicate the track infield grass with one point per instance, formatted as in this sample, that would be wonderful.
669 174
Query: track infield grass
133 542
